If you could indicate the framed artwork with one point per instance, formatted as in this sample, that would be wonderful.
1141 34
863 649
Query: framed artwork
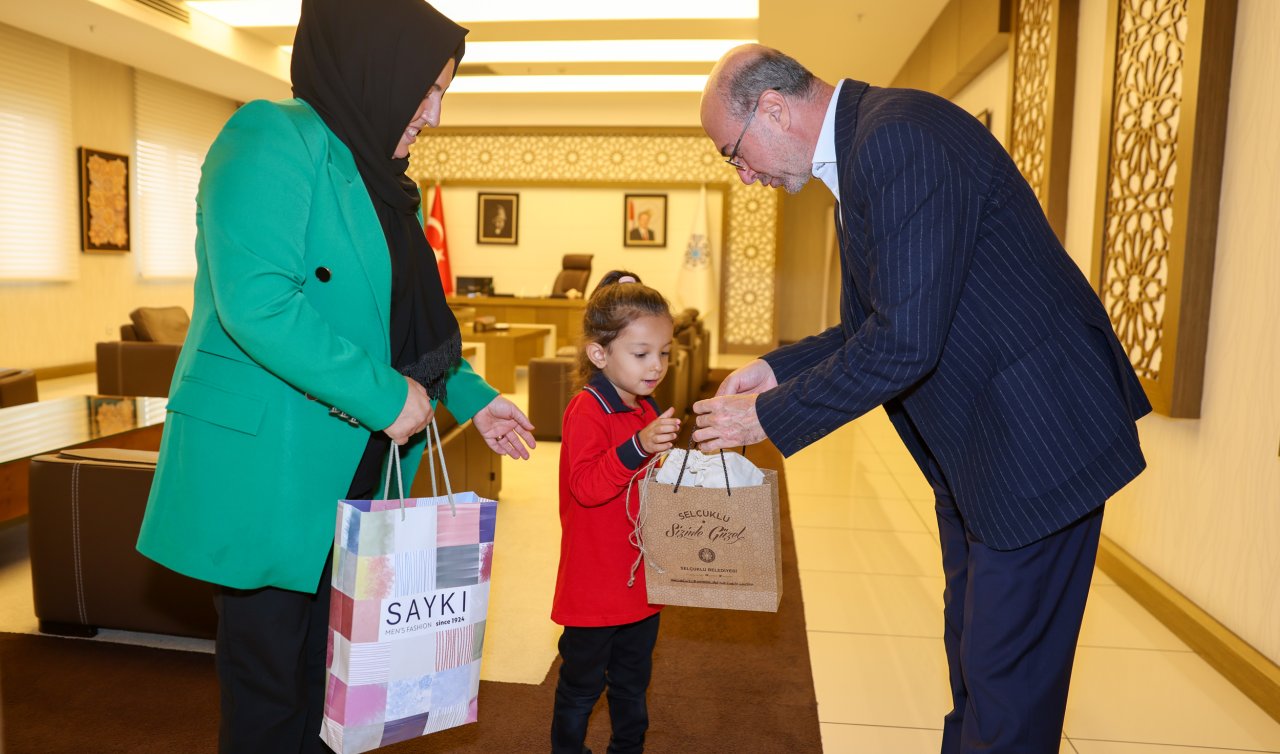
111 416
104 200
644 220
498 218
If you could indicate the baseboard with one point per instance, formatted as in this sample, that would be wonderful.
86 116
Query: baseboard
1245 667
65 370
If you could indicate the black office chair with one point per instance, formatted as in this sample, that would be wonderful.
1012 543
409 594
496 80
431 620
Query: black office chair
575 272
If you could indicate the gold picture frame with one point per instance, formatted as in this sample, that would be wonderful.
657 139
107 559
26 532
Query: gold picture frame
498 219
644 220
104 201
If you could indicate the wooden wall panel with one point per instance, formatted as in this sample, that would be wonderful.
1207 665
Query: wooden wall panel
1168 75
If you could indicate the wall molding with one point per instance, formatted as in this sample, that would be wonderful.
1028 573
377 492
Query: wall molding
1245 667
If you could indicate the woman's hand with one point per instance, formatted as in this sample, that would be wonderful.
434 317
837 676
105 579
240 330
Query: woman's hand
505 428
661 433
414 417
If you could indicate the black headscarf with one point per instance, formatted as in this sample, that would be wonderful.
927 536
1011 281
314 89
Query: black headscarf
365 67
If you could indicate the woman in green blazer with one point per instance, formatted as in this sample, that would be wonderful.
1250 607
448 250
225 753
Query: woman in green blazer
319 335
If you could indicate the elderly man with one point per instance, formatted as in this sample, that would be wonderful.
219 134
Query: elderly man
963 316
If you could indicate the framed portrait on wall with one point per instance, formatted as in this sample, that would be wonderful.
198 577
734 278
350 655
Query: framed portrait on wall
644 220
498 218
104 200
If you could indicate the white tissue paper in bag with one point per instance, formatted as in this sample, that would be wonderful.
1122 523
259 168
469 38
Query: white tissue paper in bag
706 470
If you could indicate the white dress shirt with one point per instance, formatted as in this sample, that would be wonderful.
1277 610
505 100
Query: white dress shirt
824 156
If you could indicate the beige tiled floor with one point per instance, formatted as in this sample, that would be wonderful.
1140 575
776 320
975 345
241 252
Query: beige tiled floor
866 540
869 568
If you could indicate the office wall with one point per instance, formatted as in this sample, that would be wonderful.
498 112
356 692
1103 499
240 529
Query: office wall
990 91
559 221
1205 515
49 324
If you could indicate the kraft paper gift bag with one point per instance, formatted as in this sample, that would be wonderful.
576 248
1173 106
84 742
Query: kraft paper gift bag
709 533
406 625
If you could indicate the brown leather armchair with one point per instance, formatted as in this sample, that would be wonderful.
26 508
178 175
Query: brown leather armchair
17 386
143 360
86 510
574 274
551 385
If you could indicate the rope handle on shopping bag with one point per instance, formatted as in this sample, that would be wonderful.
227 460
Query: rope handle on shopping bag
723 464
431 462
636 537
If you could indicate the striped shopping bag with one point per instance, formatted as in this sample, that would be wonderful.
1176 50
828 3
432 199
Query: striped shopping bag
406 625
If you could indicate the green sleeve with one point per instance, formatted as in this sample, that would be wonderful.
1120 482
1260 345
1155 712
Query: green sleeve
466 392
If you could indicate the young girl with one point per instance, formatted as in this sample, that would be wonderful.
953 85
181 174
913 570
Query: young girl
611 429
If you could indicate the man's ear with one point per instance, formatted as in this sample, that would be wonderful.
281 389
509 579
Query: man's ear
596 354
775 108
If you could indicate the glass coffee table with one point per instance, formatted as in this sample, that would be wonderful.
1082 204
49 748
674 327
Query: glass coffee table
82 421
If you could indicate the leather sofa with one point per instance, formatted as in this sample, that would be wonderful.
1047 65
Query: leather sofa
86 508
691 334
17 386
142 361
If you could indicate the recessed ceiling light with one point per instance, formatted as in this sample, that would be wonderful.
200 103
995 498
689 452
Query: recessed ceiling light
463 11
602 51
285 12
543 84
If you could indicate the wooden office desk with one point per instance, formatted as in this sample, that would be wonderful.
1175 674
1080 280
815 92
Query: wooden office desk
505 350
564 313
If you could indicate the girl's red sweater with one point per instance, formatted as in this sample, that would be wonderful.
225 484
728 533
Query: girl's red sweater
600 451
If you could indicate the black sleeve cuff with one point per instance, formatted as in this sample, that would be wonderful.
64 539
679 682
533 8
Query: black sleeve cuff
631 454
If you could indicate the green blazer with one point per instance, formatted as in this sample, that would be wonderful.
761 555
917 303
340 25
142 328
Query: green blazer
289 331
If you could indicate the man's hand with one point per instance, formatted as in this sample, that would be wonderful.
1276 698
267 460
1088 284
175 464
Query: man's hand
660 433
505 428
415 415
754 377
727 421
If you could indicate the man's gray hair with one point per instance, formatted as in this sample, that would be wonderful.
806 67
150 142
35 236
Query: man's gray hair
773 69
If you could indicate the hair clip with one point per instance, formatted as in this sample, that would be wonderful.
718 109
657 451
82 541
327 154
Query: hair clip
626 279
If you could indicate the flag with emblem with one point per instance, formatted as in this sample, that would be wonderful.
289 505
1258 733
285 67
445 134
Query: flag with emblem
435 237
696 286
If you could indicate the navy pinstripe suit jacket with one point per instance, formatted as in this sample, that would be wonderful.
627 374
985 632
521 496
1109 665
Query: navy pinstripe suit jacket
963 315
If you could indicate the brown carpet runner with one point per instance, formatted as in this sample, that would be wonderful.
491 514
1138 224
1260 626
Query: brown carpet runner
723 681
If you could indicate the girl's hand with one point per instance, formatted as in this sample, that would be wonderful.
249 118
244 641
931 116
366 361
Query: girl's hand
661 433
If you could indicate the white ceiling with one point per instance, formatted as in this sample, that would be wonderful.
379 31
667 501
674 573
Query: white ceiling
867 39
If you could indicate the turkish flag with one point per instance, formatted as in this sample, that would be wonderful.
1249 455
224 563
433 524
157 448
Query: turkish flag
435 237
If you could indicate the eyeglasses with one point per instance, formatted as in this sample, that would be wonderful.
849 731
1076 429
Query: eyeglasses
733 156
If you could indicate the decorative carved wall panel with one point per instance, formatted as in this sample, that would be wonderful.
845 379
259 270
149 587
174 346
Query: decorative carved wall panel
1043 58
1164 128
652 158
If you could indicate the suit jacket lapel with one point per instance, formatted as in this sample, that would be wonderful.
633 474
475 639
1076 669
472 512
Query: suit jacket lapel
366 232
858 308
